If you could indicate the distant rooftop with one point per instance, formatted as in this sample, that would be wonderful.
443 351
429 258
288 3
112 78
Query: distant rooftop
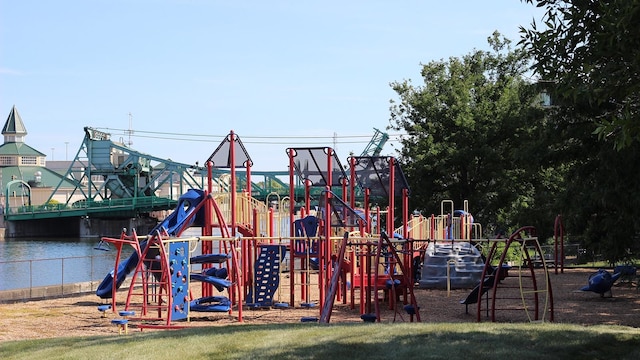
14 129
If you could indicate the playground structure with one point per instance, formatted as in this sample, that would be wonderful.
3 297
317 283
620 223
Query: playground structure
342 246
454 262
456 255
332 247
508 288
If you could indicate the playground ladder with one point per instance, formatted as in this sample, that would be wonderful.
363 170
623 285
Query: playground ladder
154 294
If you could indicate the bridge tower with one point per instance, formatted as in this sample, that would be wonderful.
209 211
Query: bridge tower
374 148
115 187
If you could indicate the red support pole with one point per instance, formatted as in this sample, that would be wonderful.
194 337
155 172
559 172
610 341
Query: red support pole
361 273
256 222
324 256
292 232
405 213
232 159
408 255
307 196
390 213
248 166
352 182
368 264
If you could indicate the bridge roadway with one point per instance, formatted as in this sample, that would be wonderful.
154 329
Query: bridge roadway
123 208
128 207
269 188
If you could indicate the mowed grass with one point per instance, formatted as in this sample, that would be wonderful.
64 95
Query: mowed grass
348 341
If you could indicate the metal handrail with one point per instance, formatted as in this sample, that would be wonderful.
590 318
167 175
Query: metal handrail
56 270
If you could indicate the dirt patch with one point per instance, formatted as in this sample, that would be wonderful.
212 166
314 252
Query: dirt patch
79 316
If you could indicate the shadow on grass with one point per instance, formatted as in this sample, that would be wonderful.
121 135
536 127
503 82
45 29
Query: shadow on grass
353 341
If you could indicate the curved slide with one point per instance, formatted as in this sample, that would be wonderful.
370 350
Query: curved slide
219 283
474 296
175 224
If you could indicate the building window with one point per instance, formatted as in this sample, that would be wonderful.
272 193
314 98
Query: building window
7 160
29 160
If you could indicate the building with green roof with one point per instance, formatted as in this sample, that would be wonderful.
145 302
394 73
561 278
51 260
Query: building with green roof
39 190
22 164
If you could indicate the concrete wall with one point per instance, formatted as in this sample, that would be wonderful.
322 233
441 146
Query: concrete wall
47 292
58 291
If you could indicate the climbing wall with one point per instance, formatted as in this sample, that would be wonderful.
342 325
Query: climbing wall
267 275
179 270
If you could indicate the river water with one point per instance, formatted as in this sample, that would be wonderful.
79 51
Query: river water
44 262
37 262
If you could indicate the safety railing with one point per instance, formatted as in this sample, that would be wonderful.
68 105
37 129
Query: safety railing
38 278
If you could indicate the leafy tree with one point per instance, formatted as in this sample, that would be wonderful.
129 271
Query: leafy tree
471 130
588 57
590 51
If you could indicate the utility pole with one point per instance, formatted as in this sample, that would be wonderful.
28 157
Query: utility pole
130 131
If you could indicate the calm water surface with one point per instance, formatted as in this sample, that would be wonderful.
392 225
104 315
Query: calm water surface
36 262
39 262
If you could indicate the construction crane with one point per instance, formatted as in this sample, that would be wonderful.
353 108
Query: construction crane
374 148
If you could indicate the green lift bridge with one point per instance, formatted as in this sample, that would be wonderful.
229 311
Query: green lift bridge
113 180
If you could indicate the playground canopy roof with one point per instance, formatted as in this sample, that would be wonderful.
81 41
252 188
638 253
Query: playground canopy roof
313 164
221 157
374 173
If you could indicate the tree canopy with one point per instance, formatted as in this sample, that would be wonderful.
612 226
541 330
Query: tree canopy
476 130
587 55
589 51
469 129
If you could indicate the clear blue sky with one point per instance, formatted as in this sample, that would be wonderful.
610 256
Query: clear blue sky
275 72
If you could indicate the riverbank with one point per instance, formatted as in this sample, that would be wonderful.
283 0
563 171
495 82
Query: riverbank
42 293
47 292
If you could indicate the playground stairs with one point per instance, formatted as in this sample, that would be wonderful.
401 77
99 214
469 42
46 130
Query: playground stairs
456 264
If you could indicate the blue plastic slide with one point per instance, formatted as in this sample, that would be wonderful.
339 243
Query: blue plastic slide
219 283
174 224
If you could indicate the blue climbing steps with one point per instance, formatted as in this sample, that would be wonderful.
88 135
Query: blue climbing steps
266 276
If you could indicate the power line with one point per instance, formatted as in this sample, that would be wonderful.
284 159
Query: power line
336 139
318 142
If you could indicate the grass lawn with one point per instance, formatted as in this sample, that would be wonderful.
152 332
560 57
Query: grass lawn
352 341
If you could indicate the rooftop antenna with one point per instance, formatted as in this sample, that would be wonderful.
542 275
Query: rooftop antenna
130 131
